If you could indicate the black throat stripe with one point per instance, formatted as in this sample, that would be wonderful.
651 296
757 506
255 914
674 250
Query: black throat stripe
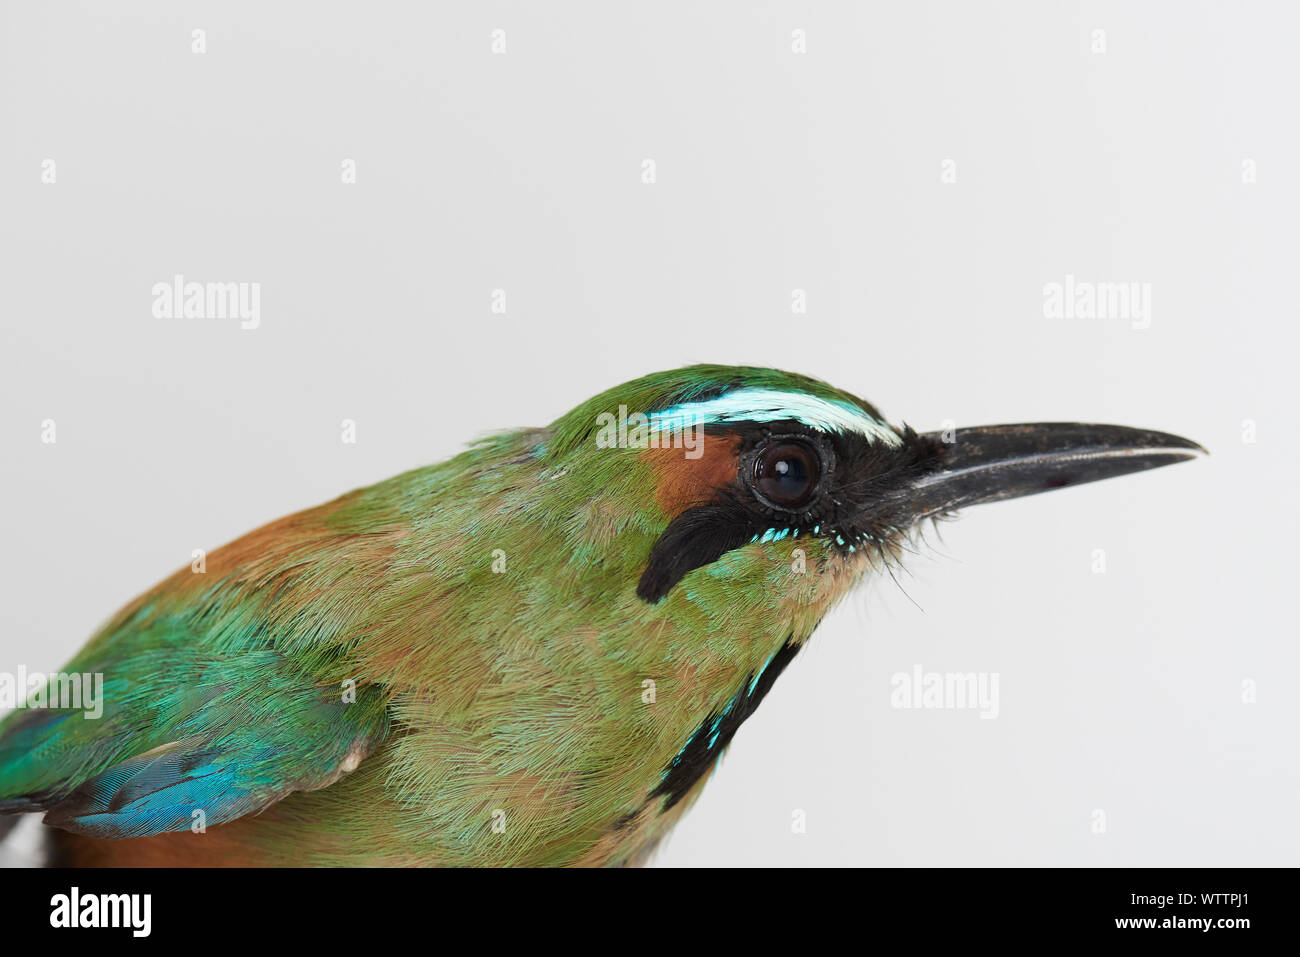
715 733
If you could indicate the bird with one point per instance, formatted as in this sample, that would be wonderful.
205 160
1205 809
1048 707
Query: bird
530 654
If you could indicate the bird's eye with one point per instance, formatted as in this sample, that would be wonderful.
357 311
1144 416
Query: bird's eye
786 473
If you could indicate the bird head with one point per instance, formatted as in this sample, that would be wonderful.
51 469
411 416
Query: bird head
753 473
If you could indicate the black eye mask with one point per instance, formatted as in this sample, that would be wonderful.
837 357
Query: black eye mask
856 482
697 537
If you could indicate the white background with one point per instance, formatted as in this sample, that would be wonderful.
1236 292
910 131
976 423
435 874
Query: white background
776 171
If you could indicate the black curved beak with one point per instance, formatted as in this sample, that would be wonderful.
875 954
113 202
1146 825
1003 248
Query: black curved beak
994 462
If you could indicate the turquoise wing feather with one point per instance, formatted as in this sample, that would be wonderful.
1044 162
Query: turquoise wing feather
182 733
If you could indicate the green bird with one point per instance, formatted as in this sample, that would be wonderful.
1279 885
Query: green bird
530 654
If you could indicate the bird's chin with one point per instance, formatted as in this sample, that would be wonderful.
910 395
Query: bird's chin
882 556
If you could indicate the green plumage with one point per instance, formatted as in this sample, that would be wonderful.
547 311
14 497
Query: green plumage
515 701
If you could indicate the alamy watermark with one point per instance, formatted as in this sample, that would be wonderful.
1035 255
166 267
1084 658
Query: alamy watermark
1082 299
75 909
945 690
653 431
179 299
75 691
